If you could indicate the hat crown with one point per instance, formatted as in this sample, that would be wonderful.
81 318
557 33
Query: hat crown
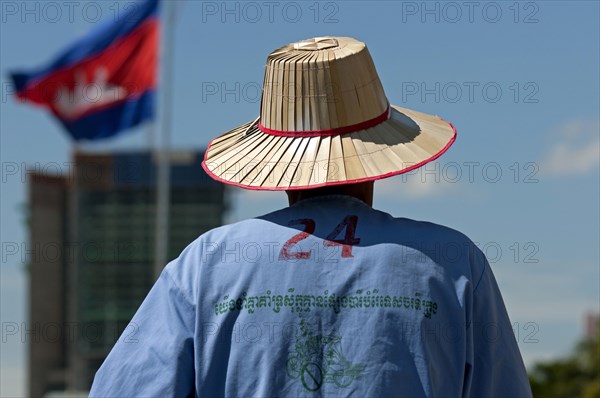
317 43
320 84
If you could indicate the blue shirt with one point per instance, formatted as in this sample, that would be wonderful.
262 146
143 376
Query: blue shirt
327 297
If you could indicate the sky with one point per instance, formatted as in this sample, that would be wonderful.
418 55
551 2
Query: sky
518 80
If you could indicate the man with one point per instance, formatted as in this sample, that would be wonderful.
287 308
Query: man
327 297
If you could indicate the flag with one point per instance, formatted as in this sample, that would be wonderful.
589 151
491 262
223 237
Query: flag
105 82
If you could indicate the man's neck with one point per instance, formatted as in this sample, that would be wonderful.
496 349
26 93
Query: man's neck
362 191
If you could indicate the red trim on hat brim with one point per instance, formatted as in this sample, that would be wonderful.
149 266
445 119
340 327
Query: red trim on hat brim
367 124
328 184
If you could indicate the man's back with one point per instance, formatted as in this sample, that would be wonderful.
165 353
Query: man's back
328 298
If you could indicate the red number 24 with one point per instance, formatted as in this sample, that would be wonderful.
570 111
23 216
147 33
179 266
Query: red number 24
348 223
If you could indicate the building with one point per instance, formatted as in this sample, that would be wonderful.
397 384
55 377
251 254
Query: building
93 234
47 282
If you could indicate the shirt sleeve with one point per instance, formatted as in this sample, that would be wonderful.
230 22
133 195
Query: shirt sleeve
154 357
496 368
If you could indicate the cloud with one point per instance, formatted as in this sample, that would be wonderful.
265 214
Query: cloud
576 150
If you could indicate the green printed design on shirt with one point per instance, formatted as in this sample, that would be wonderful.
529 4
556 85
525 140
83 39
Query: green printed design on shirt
318 359
295 302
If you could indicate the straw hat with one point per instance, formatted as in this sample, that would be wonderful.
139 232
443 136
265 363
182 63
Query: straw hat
324 120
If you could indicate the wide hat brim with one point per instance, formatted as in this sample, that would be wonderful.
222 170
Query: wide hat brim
249 158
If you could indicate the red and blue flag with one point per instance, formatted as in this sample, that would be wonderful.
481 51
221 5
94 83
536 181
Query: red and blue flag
104 83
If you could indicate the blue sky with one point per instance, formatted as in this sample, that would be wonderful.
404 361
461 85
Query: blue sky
519 81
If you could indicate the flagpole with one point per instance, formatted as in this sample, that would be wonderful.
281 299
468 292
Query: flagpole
162 150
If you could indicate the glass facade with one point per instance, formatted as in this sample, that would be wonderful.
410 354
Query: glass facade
110 235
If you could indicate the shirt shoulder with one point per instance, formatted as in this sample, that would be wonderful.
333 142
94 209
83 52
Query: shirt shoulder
184 271
448 247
